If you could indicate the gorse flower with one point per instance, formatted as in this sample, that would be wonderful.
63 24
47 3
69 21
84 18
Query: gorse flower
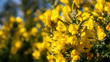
61 27
108 27
100 33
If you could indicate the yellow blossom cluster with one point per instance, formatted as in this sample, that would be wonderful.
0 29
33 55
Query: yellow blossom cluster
70 31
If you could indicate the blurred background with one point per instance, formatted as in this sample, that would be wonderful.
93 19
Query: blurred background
18 7
20 29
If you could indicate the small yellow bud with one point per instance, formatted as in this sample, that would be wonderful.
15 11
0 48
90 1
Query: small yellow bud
12 19
98 54
1 32
36 54
18 19
108 27
28 12
38 25
64 1
18 44
35 19
76 57
73 53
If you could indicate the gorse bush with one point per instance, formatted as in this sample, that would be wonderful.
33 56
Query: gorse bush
77 31
72 31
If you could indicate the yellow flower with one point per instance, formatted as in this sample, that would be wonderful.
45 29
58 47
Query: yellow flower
22 30
18 19
89 23
18 44
98 55
86 9
101 1
36 54
49 57
76 57
99 7
108 27
61 27
74 53
60 58
100 33
38 25
35 19
107 8
101 18
95 14
40 46
12 19
55 15
1 32
66 9
20 25
56 35
64 15
41 17
64 1
73 29
79 13
47 18
25 34
85 15
59 8
78 2
72 40
34 31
